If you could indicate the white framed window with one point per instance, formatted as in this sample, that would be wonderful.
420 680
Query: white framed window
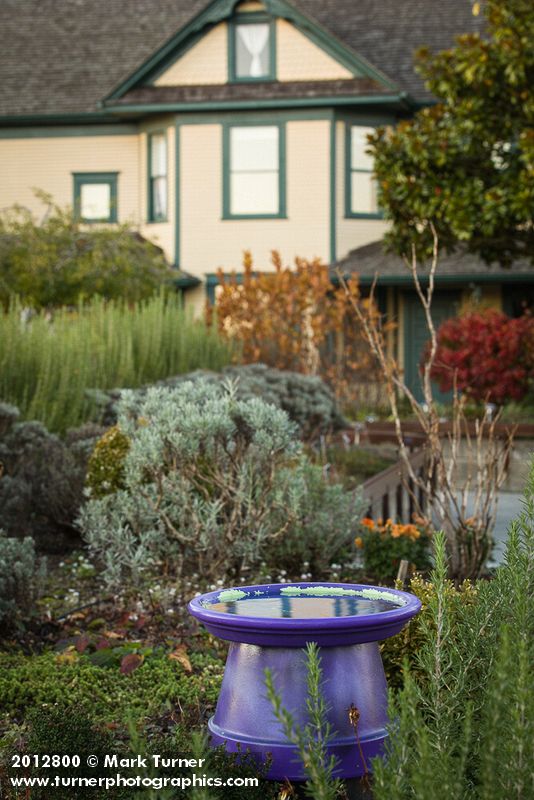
254 180
95 196
361 190
157 177
252 50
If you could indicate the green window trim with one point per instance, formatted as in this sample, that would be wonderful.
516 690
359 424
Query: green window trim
349 170
226 200
250 18
152 216
81 179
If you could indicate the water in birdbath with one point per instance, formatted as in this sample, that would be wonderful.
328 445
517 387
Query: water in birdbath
303 604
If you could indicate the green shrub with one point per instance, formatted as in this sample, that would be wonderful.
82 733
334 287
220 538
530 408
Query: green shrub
105 470
21 578
64 731
211 484
307 400
54 369
463 723
323 531
353 465
386 544
103 693
404 647
55 261
41 484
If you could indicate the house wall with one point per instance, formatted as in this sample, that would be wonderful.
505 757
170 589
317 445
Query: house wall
208 242
48 163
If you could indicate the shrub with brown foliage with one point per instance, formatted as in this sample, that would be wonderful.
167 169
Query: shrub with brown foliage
295 319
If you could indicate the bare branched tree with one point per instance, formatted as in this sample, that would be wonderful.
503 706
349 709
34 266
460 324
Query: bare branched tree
463 502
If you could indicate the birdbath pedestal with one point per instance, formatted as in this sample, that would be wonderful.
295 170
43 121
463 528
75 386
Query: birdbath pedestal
268 627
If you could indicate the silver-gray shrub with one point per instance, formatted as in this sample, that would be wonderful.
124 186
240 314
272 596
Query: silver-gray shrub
306 399
211 483
21 578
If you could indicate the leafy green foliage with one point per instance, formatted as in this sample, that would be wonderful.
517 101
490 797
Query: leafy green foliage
311 740
68 732
21 578
210 483
323 532
405 646
467 163
353 465
464 719
105 470
386 544
104 693
48 367
56 261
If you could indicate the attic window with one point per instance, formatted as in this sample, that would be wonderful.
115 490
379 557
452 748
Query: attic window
251 48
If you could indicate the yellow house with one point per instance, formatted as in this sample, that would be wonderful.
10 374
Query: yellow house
214 127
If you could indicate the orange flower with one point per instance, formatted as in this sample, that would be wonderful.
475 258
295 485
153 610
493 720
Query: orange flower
368 523
359 542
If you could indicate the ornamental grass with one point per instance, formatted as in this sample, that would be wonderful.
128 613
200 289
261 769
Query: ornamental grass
49 362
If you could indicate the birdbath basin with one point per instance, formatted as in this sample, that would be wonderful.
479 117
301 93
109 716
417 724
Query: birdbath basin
268 626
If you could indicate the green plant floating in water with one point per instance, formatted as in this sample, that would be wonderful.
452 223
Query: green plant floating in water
229 595
329 591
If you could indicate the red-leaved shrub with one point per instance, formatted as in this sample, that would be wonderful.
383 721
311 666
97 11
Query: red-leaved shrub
491 355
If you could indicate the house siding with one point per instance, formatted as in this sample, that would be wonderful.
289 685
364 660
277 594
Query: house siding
298 59
49 163
205 63
209 242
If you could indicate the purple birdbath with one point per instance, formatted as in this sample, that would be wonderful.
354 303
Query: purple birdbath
268 626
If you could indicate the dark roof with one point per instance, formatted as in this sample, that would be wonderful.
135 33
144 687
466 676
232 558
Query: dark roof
460 266
387 32
65 56
270 90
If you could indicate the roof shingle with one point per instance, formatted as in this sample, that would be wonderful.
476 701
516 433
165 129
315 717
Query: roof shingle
373 260
64 56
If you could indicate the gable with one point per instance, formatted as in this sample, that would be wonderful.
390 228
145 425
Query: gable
297 59
206 62
300 59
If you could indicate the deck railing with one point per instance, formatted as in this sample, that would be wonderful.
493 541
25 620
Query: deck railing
391 493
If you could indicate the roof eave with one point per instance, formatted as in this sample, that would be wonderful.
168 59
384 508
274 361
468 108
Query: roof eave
394 100
403 281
